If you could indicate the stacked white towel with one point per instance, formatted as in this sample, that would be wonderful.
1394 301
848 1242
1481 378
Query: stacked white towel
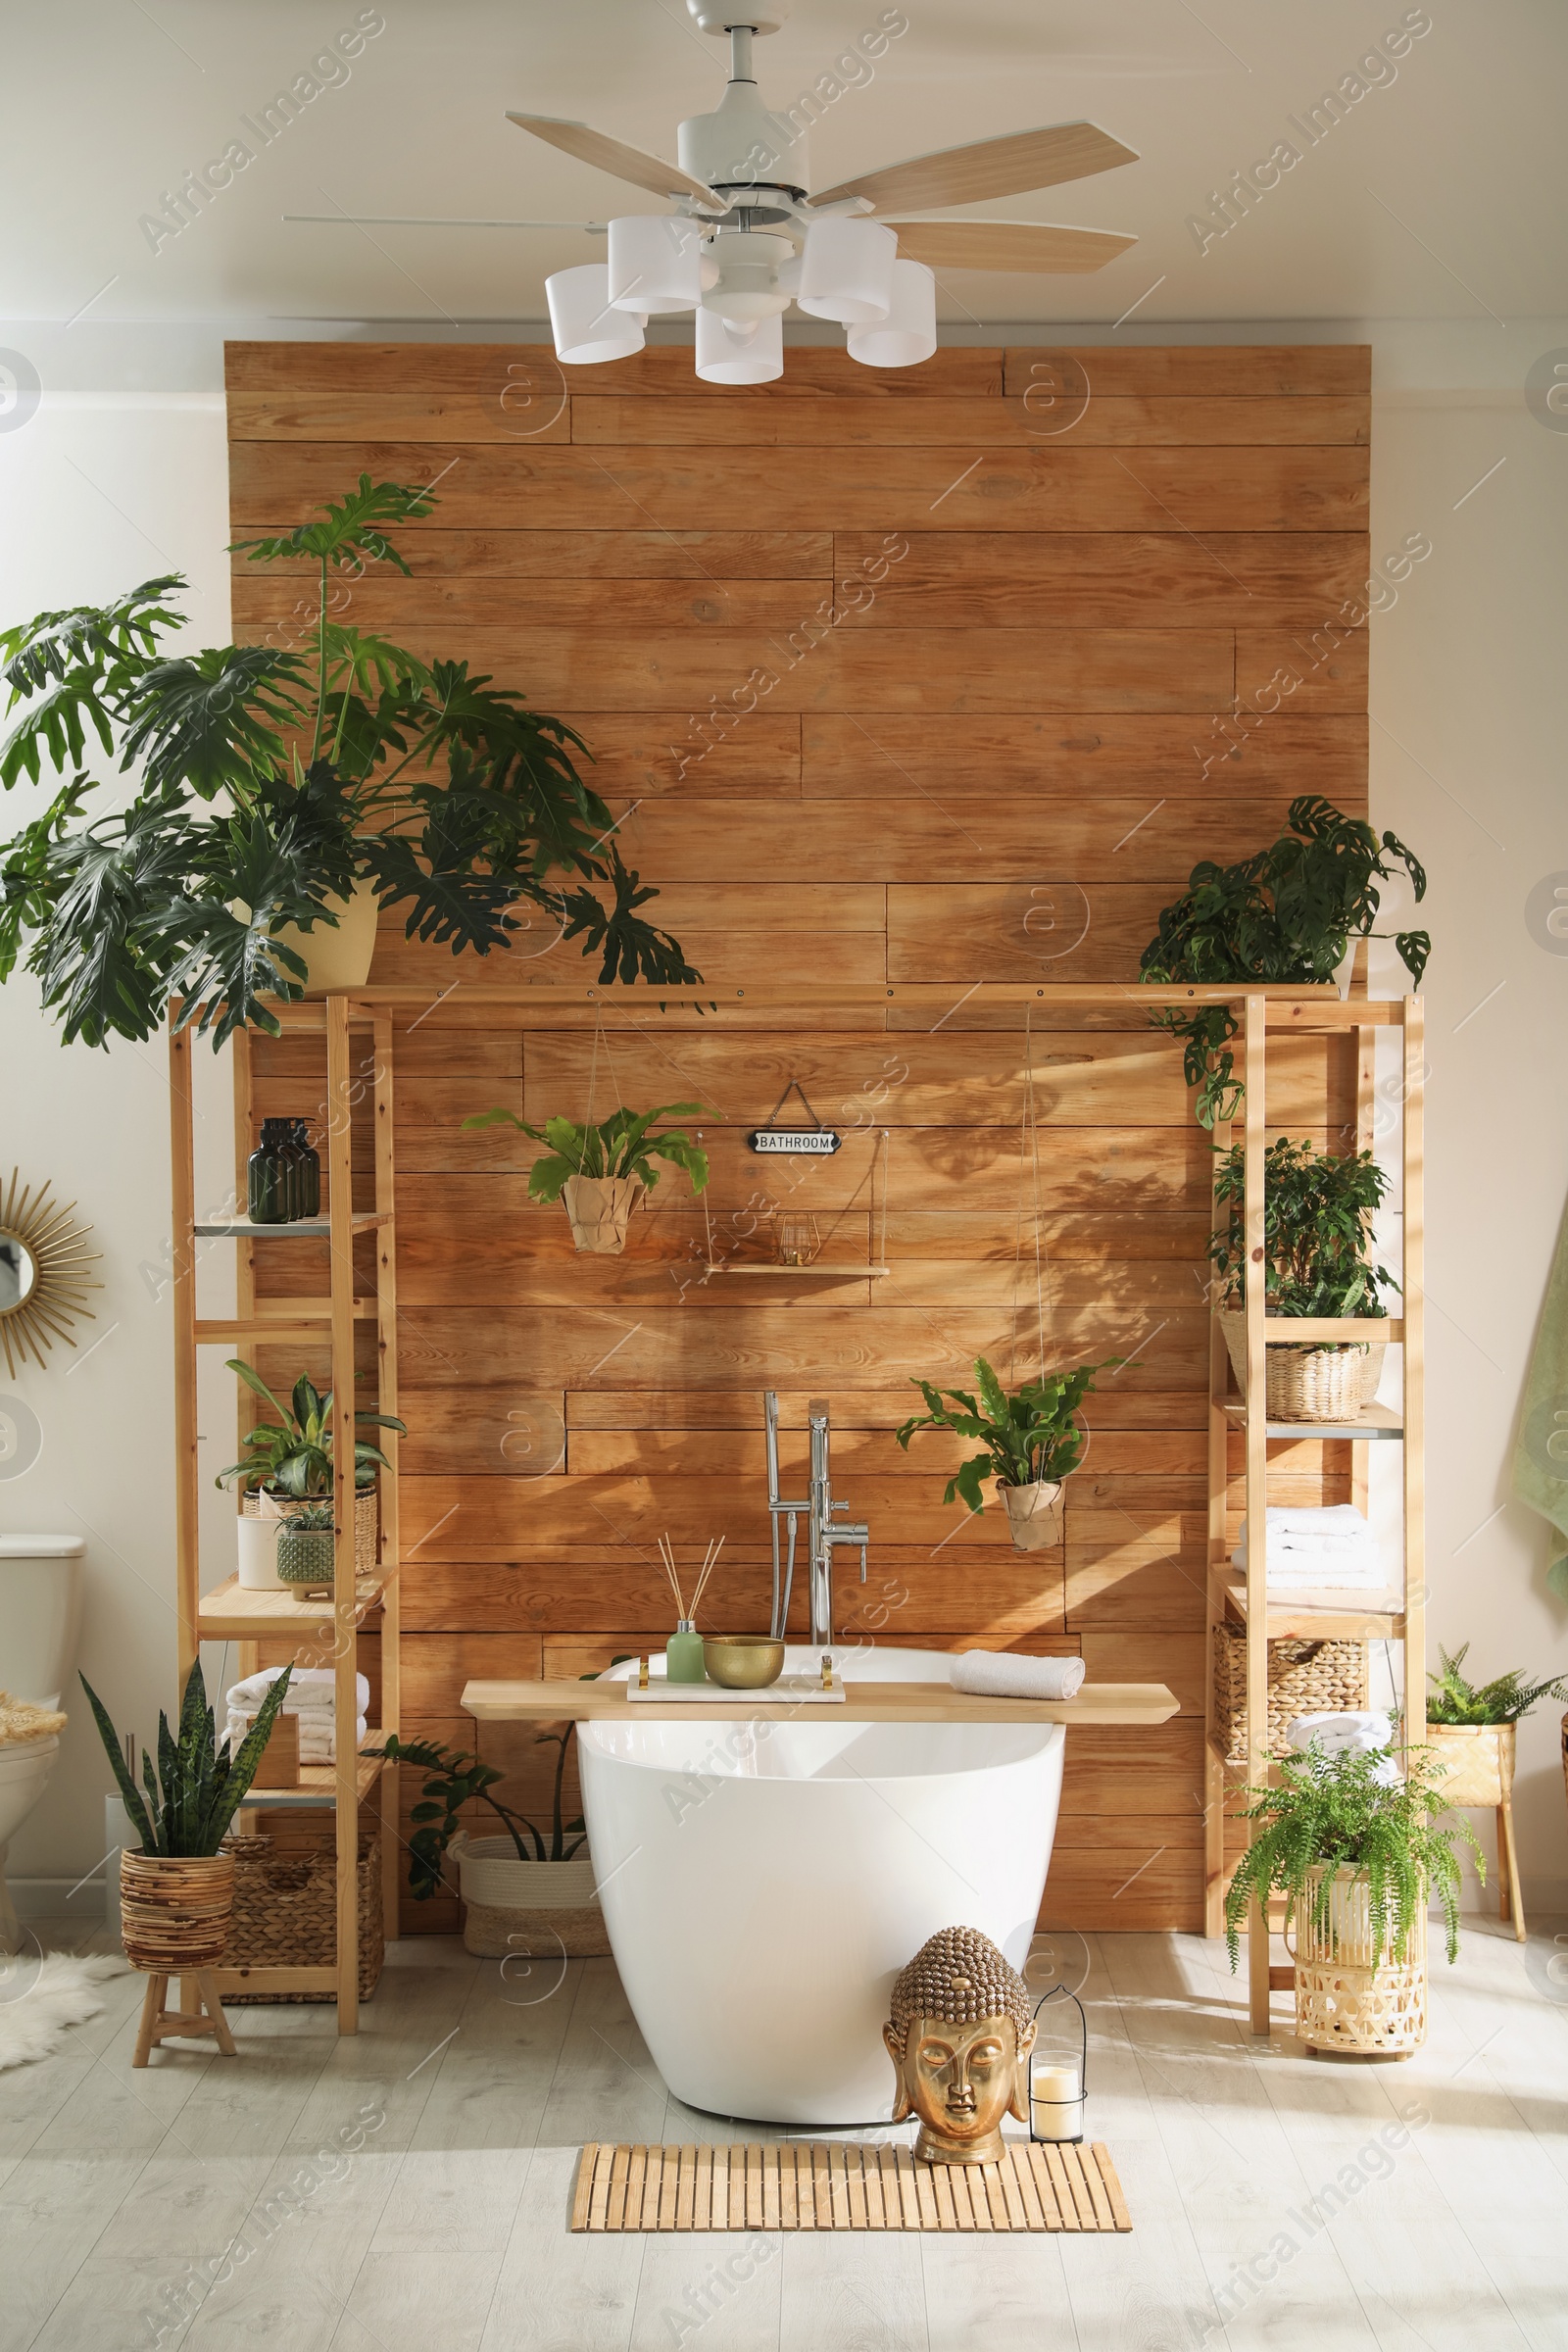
1355 1733
309 1698
1304 1549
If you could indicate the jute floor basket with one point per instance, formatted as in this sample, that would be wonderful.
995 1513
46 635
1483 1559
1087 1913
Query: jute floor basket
285 1912
175 1910
365 1526
1305 1677
1343 2002
1310 1384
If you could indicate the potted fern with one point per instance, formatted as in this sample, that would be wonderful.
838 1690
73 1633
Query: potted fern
1353 1845
1318 1209
518 1885
176 1894
1292 912
602 1172
1471 1733
288 1467
1029 1442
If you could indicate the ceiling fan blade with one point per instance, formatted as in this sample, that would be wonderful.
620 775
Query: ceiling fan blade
611 155
1007 245
1007 167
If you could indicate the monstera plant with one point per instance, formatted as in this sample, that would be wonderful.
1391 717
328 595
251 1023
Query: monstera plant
1288 912
270 781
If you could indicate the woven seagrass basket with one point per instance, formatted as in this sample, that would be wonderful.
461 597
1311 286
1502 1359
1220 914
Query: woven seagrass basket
175 1909
285 1912
1343 2002
1312 1384
1305 1677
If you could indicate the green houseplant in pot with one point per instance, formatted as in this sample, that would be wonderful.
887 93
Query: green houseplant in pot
306 1550
1355 1849
285 792
1030 1442
288 1466
1290 911
177 1892
1472 1740
1318 1209
601 1173
527 1891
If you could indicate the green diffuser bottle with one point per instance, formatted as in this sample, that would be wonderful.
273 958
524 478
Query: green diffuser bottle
683 1653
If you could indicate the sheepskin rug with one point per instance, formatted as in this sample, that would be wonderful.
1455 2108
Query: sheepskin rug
42 1996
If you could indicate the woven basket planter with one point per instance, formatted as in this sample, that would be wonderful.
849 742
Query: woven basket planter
175 1909
1033 1514
1343 2002
598 1209
1480 1757
365 1543
1305 1677
285 1912
1310 1384
526 1910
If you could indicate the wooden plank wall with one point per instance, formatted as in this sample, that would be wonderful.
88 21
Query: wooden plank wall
943 676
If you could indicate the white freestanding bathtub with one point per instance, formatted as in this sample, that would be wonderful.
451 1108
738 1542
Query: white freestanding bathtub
763 1883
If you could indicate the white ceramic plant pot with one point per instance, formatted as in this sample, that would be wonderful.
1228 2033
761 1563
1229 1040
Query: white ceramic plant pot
1034 1513
600 1208
532 1912
337 958
259 1523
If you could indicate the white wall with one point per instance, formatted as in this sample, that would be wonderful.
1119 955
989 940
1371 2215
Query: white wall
121 473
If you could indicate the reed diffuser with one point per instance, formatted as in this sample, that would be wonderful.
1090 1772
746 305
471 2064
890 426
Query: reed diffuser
683 1651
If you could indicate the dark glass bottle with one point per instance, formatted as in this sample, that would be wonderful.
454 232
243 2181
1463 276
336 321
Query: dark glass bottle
264 1179
309 1171
288 1160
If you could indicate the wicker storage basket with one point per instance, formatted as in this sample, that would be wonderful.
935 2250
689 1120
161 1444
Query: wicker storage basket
1343 2002
526 1910
1305 1677
366 1545
175 1909
1480 1760
1310 1384
285 1912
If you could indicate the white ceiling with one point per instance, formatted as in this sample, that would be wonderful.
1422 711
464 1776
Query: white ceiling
1441 195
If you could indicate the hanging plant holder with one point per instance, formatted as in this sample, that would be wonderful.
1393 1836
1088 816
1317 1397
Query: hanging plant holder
598 1209
1035 1514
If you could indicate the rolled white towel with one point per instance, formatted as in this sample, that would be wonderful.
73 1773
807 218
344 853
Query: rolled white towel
1354 1732
1009 1674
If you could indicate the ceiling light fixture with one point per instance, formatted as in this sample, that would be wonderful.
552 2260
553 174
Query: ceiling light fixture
745 238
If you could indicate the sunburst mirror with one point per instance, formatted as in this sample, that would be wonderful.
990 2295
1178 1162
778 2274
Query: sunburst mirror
43 1282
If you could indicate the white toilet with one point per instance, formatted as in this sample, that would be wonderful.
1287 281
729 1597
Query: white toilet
40 1616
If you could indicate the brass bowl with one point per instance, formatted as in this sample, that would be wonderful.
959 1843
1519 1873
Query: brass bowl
743 1661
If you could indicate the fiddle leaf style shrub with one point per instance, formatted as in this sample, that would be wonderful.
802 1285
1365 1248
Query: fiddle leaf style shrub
272 779
1350 1809
1505 1701
1317 1231
620 1145
1288 912
1026 1438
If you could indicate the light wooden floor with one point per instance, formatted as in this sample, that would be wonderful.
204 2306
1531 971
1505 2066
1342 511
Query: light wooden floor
407 2192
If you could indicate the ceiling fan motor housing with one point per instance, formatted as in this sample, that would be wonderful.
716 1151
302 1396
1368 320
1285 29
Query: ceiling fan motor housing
741 146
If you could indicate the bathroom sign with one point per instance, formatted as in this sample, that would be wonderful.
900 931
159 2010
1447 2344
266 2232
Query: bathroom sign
816 1142
810 1141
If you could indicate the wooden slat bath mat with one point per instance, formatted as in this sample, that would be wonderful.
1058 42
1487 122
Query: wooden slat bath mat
843 2184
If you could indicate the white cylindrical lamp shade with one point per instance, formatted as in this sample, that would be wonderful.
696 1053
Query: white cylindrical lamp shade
726 354
586 328
908 333
846 271
656 264
1055 2101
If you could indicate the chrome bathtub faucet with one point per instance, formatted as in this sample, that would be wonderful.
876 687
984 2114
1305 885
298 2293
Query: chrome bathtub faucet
822 1534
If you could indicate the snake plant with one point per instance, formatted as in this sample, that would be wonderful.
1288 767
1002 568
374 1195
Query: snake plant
195 1792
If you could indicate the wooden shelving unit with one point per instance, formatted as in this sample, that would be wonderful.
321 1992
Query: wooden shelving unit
1243 1600
227 1613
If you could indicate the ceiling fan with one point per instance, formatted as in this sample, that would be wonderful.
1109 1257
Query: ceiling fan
747 236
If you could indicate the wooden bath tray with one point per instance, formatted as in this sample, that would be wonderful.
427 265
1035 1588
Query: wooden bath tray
844 2184
864 1703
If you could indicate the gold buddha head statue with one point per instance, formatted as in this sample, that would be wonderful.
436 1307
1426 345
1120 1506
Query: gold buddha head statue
960 2038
